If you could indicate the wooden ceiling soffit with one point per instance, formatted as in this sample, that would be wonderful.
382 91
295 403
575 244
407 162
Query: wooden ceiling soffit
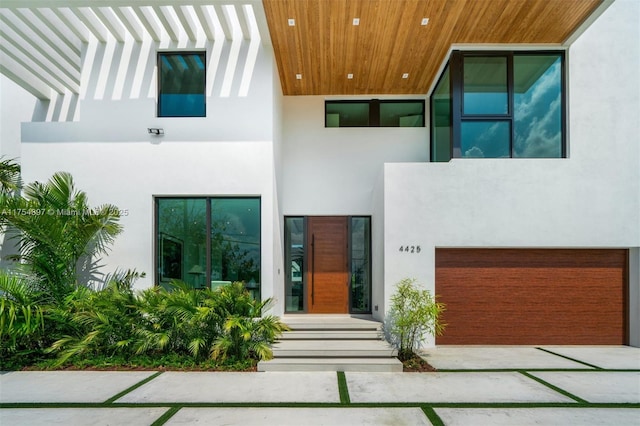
324 46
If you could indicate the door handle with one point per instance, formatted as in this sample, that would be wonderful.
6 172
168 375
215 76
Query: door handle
313 267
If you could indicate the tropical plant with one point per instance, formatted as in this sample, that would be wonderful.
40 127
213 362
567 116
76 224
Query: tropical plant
413 313
195 324
21 315
57 229
9 176
247 332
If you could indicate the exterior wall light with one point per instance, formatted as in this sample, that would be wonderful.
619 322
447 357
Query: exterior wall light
155 131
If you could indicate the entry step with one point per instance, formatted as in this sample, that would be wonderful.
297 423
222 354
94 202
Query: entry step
387 365
363 334
333 348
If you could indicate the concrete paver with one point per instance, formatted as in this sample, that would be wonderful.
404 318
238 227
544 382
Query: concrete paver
449 387
538 416
596 386
80 416
607 357
494 357
66 386
300 416
238 387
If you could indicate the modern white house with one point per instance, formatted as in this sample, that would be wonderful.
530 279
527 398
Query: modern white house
323 150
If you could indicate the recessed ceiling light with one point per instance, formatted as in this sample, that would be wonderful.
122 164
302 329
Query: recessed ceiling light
425 21
298 76
356 21
405 75
292 22
350 76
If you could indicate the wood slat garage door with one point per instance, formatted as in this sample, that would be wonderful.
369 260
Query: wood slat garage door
532 297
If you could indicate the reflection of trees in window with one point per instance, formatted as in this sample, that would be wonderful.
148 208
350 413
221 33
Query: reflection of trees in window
231 236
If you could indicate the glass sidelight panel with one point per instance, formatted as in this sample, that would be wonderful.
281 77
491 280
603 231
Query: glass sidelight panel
360 265
441 120
295 264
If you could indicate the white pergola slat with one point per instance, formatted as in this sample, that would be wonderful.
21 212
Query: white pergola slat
71 21
43 40
111 22
53 22
131 22
43 35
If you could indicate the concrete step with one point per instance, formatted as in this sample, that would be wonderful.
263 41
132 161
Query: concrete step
333 349
330 322
386 365
332 335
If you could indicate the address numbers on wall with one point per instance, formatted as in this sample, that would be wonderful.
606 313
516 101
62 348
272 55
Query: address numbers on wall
410 249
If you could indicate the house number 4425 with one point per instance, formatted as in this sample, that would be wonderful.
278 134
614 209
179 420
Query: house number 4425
410 249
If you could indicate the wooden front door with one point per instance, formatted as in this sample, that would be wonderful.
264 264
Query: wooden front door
328 269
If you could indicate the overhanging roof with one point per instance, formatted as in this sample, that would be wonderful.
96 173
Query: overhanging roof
41 41
325 46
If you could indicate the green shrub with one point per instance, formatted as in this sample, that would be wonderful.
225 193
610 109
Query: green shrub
413 313
247 332
224 325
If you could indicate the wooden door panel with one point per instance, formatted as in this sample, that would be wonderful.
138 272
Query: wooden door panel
328 269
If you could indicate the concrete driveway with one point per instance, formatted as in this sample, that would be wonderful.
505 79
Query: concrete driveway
551 385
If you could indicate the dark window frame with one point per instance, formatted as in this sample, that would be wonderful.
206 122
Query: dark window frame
159 56
285 261
156 232
374 110
455 65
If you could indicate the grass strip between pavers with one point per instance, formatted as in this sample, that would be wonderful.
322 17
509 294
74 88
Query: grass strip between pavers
132 388
555 388
343 388
570 359
166 416
433 417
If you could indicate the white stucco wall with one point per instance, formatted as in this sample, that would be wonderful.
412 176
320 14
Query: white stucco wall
338 171
332 171
230 152
591 199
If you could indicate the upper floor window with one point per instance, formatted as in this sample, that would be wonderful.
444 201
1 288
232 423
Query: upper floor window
181 84
499 104
374 113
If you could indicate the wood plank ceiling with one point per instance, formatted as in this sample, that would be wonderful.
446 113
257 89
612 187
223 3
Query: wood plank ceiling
324 45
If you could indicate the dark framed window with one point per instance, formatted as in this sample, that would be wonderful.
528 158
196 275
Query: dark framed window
208 241
181 84
374 113
499 105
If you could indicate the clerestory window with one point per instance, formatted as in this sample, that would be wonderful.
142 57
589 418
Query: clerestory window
181 84
499 105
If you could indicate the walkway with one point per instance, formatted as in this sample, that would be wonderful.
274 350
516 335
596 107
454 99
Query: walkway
474 385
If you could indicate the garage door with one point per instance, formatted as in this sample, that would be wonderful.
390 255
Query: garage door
532 297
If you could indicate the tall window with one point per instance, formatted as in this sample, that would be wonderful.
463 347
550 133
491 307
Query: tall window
181 84
499 104
208 242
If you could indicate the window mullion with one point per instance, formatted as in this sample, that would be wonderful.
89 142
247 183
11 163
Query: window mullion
511 101
456 103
